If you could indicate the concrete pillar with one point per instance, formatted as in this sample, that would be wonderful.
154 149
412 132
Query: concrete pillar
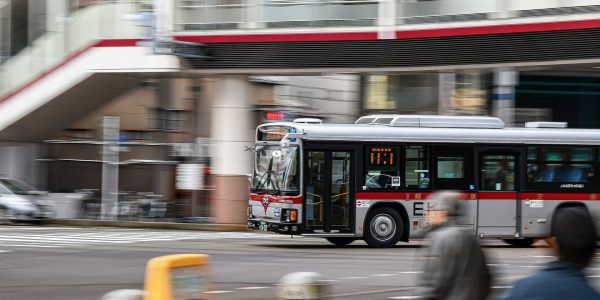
503 99
232 129
386 19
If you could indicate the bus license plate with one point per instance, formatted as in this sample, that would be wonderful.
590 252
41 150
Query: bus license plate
263 226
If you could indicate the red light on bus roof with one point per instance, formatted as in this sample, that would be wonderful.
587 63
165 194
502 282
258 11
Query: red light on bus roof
275 116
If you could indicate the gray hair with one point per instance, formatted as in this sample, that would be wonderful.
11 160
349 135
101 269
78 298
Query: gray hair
448 201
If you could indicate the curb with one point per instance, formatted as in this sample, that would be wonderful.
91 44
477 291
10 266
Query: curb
154 225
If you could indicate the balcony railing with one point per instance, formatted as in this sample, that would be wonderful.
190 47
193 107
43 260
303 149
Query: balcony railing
211 15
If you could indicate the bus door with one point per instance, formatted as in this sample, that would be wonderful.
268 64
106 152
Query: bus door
329 191
498 197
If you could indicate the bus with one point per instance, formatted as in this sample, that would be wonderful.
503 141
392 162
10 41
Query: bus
371 180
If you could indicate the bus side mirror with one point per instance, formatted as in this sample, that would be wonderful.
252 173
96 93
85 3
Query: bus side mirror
364 187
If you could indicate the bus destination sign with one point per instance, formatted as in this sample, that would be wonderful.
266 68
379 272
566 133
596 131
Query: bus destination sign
382 156
273 133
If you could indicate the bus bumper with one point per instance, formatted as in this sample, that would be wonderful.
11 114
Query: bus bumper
283 228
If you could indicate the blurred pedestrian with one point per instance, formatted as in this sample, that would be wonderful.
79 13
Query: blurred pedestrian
574 243
455 266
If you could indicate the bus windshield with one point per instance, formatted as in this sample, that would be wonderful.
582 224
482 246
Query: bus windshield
275 170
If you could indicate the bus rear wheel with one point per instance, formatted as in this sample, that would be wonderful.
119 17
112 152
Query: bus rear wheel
340 241
383 228
519 243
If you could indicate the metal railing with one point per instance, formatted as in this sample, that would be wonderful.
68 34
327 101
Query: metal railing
207 15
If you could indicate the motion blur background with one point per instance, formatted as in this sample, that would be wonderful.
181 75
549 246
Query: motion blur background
165 95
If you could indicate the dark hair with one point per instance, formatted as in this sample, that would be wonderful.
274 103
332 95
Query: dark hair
575 234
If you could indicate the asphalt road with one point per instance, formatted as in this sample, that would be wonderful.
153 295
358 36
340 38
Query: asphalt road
85 263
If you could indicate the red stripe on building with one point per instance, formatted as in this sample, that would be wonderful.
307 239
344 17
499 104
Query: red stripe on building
499 29
69 58
285 37
400 34
117 43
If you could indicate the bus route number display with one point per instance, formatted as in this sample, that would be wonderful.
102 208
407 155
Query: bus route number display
382 156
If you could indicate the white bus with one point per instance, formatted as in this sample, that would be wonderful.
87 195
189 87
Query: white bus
370 180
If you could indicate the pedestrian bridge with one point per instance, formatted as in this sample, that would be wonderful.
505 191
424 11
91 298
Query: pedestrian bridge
97 53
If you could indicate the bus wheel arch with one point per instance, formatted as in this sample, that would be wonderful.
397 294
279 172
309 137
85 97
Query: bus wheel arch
398 209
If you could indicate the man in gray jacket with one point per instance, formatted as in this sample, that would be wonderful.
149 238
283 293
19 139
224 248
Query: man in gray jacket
455 266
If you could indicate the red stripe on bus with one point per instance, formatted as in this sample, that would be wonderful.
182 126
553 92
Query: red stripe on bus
480 196
277 198
496 195
560 196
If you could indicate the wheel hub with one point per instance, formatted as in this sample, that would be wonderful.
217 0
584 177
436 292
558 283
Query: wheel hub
383 227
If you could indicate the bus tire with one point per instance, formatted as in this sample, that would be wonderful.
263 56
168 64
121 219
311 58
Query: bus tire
340 241
383 227
520 243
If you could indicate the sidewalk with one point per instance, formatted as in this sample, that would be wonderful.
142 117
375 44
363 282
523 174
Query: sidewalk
153 225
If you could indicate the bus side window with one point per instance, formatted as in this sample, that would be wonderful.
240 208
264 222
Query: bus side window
416 167
382 168
453 168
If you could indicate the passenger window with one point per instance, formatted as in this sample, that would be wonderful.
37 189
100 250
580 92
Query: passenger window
498 172
416 171
453 168
560 168
382 169
450 167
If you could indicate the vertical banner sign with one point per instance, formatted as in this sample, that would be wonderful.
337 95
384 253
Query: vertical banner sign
110 167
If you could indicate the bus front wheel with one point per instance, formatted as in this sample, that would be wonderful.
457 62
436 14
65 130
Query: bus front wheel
383 227
340 241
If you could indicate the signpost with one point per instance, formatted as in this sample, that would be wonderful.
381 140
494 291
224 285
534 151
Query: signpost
110 167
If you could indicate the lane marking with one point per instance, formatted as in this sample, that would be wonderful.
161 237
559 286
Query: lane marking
594 276
543 256
253 288
350 278
382 275
410 272
405 297
5 251
327 280
529 266
30 246
218 292
502 287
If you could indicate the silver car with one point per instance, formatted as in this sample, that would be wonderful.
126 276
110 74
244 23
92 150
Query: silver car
21 202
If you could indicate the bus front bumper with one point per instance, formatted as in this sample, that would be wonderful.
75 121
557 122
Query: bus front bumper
283 228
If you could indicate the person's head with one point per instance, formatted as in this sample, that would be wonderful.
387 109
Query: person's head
574 235
443 205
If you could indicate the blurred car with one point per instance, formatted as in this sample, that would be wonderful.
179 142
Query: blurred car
20 201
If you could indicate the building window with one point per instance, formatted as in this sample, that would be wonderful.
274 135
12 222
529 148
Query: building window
80 134
167 119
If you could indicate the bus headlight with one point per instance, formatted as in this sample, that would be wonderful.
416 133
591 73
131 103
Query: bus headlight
289 215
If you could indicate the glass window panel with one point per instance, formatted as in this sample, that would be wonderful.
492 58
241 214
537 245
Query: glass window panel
498 172
581 154
531 153
450 167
